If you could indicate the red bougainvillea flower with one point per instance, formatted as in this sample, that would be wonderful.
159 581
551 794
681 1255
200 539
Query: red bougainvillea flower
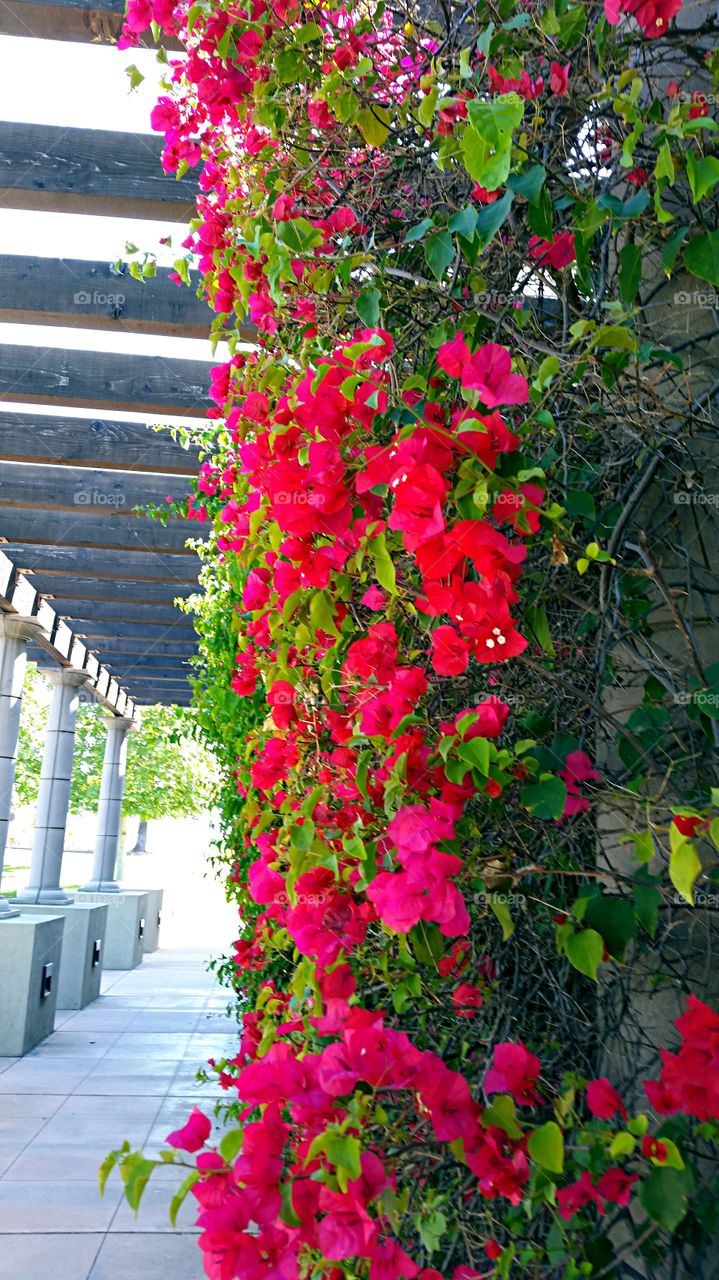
603 1100
450 653
653 1149
686 824
577 768
493 1250
577 1195
556 253
689 1079
515 1071
487 371
653 16
467 1000
638 176
192 1136
559 78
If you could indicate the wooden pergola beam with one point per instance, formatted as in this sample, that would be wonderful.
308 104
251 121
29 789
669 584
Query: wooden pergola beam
49 168
135 566
92 295
77 21
98 632
116 648
67 587
161 617
86 492
96 442
103 380
94 529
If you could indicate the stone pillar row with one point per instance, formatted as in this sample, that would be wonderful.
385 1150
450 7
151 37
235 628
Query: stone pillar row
56 775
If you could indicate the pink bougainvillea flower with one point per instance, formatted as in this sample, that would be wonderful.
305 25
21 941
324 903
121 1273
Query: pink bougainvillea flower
467 1000
193 1136
556 253
653 1149
559 78
450 653
487 371
603 1100
577 1195
515 1071
653 16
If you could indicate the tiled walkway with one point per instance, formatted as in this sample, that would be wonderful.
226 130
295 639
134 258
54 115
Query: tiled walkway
122 1068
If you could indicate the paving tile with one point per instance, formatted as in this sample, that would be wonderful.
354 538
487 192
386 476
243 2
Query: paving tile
154 1212
37 1257
151 1256
7 1062
9 1152
75 1207
46 1161
30 1106
40 1075
69 1044
120 1085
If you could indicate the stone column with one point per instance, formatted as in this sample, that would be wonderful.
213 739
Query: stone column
109 814
14 632
54 794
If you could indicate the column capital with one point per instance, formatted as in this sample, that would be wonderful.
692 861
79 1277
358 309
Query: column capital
68 675
122 724
17 627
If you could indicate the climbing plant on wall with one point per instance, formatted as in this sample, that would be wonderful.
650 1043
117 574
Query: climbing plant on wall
456 632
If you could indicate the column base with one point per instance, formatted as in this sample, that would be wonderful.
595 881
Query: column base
83 944
126 916
101 886
7 911
44 897
30 953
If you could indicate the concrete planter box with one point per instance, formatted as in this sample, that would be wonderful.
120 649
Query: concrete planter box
151 940
30 952
126 922
83 944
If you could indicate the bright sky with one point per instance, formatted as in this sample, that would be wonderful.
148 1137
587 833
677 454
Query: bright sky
83 86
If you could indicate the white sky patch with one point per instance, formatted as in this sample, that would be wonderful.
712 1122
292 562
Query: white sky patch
78 86
87 236
35 335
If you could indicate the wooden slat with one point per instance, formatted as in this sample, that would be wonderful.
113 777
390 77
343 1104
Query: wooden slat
118 632
91 295
95 442
128 666
70 588
159 616
103 380
50 168
135 566
85 492
73 20
124 652
81 527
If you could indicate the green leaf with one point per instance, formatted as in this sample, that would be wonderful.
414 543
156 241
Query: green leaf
630 271
418 230
500 909
502 1114
344 1151
491 218
374 125
384 566
701 257
322 613
302 835
464 222
289 65
528 184
614 919
703 174
107 1167
538 623
672 247
546 1147
622 1145
231 1143
664 1195
136 1172
585 950
545 798
438 253
367 307
647 900
180 1195
287 1212
478 753
684 867
487 141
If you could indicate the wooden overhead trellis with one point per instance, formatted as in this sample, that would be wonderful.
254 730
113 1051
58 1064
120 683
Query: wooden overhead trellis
75 552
